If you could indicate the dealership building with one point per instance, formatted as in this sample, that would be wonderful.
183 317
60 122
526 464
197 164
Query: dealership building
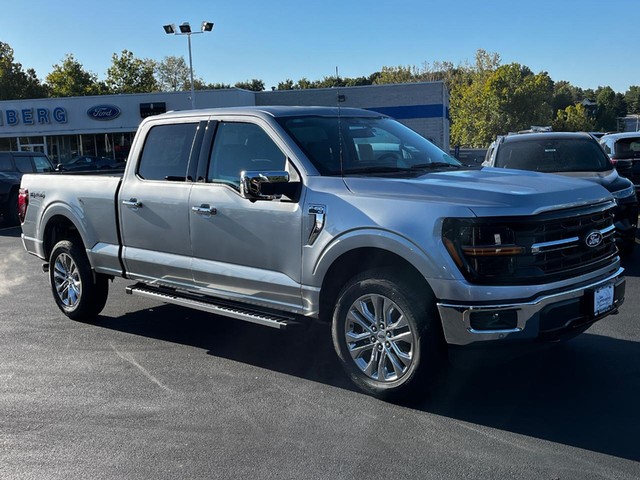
67 127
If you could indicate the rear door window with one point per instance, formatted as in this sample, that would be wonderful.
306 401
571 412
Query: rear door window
166 152
23 164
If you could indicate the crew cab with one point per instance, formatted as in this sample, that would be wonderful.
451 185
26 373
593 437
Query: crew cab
286 215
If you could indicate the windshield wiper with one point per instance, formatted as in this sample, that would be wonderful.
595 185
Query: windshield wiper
433 165
379 169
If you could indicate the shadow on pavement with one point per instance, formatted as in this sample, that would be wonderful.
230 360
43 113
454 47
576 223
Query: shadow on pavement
583 393
9 231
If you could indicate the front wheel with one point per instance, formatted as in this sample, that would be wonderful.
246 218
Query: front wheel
78 292
387 336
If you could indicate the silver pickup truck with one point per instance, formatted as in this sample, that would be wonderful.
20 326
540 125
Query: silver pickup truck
283 215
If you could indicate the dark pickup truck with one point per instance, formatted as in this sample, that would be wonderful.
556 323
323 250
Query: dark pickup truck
12 166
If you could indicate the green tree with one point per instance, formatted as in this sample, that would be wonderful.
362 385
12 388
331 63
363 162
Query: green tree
632 97
399 74
174 74
70 79
609 106
199 85
286 85
128 74
255 85
15 83
305 83
573 118
520 99
471 105
564 95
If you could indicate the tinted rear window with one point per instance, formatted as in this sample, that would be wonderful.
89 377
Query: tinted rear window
627 147
5 164
553 155
166 151
23 164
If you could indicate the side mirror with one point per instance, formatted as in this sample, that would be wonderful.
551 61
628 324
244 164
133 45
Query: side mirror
59 167
263 185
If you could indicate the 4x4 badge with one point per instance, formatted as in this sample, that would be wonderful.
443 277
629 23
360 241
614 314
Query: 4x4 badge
593 239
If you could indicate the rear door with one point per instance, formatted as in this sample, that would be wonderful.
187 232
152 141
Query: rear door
244 250
154 205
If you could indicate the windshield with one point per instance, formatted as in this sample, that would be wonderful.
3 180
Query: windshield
365 146
553 155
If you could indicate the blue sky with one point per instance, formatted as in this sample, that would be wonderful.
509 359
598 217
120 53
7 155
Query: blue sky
587 42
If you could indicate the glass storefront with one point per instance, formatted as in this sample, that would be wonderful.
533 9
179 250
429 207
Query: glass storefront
63 148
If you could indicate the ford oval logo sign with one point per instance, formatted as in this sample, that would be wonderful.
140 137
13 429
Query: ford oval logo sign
593 239
104 112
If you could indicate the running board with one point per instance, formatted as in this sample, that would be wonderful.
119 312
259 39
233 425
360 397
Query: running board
207 304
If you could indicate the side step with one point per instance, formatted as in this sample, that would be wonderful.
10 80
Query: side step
208 304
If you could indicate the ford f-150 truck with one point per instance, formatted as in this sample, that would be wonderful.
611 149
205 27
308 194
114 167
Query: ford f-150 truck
283 215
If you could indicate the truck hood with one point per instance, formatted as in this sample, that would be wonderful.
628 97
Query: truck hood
487 191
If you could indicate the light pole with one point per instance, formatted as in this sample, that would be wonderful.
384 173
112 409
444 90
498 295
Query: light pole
185 29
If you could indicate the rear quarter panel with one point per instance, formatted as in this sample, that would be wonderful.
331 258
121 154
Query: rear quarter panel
87 201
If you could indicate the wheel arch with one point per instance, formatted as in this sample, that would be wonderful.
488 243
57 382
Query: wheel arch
57 228
358 260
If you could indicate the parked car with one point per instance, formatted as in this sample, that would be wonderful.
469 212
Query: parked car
88 163
12 166
575 154
624 151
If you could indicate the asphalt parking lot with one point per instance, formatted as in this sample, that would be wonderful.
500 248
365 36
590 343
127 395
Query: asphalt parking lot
153 391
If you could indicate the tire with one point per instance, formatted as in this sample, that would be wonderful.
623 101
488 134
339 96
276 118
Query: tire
11 212
78 292
392 356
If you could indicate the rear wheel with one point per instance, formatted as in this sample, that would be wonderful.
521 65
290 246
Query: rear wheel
387 336
78 292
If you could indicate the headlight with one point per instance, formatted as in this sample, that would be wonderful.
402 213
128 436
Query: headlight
479 249
624 193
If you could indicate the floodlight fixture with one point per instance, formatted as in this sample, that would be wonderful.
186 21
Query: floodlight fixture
185 29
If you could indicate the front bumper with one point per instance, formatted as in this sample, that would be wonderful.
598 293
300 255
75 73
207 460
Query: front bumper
548 316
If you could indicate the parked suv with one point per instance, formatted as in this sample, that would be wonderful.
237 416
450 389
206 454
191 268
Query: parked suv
12 166
624 151
575 154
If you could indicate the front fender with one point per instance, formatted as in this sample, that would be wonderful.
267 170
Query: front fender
429 260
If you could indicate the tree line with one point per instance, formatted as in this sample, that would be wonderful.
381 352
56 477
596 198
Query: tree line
487 97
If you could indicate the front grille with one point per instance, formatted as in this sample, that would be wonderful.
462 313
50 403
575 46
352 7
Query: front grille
557 246
554 245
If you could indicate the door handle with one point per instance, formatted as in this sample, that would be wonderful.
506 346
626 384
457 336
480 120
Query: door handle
132 202
204 209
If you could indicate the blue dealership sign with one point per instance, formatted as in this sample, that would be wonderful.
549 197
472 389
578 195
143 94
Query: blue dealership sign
104 112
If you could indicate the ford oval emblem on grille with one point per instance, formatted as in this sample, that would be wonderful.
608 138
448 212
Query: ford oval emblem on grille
593 239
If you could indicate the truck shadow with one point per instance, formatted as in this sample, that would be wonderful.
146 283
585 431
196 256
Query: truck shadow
582 393
8 231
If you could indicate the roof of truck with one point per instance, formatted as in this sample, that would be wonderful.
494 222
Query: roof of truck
279 111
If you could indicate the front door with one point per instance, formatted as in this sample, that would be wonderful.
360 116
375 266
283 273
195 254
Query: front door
243 250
